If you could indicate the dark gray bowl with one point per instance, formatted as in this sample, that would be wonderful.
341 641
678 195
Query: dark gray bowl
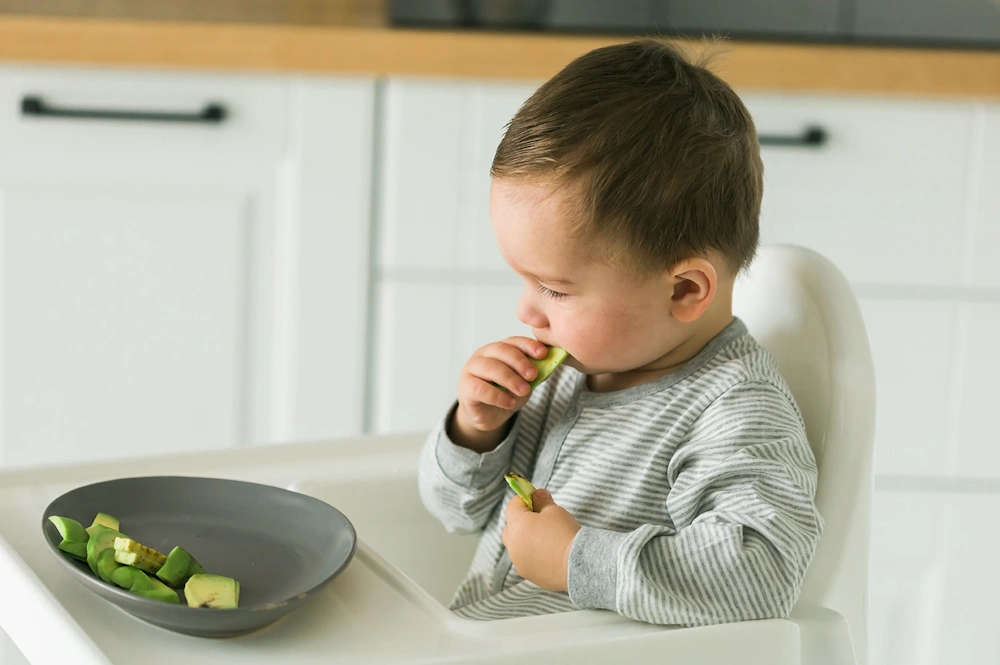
282 546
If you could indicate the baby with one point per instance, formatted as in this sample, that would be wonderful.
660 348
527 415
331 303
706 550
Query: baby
676 483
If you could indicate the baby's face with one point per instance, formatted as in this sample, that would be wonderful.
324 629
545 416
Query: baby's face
571 298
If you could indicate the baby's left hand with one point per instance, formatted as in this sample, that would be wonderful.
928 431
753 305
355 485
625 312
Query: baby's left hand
539 542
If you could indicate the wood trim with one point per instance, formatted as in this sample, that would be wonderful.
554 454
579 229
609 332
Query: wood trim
383 51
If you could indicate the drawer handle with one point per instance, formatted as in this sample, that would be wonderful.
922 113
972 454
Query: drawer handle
36 106
811 137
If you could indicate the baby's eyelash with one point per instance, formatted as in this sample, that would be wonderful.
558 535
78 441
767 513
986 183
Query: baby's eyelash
550 293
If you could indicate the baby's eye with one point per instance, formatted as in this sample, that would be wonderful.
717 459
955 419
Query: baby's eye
550 293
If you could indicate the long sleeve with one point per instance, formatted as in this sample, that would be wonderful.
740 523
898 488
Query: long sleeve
461 487
745 525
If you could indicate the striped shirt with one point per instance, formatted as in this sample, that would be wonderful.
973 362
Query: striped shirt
694 492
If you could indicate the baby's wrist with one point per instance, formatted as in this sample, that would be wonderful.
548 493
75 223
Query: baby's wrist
463 432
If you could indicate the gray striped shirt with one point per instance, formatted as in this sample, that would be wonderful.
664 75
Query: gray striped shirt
695 493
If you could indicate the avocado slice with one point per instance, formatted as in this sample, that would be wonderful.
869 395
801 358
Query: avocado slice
130 553
74 536
179 566
132 579
102 538
103 519
160 591
215 591
106 564
522 486
548 364
545 366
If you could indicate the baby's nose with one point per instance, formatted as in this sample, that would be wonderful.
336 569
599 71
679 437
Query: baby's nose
529 314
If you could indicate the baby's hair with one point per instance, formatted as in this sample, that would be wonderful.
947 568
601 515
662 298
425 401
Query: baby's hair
658 155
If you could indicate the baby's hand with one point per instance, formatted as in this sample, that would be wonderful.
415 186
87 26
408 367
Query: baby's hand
482 406
539 542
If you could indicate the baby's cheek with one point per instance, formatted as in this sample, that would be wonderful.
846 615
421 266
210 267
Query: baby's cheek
597 347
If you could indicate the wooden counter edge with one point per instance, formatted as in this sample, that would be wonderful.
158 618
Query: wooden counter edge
381 51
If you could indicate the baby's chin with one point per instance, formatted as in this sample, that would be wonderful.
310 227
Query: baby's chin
584 368
575 363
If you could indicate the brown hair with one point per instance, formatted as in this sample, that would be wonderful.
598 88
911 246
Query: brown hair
661 155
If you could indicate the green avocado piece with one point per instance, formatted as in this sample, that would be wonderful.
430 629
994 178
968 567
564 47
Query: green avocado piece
180 565
215 591
161 592
74 536
548 364
106 564
132 579
522 487
545 366
130 553
103 519
101 538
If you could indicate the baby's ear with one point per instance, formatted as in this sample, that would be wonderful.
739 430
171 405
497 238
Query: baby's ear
694 282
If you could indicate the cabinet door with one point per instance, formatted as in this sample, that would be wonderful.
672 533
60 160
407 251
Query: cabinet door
163 283
439 143
933 585
885 198
444 289
426 333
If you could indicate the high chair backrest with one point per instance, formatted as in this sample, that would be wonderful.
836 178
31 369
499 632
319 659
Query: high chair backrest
801 308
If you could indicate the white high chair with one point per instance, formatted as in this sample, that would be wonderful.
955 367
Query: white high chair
799 306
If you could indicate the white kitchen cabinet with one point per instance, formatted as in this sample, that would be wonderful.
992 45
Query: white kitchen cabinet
933 587
439 139
936 367
171 286
984 201
885 198
426 333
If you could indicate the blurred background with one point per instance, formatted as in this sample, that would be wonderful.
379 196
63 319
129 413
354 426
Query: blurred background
233 222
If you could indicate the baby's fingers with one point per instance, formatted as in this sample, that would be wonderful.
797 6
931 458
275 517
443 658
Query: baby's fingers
499 375
474 390
515 359
529 347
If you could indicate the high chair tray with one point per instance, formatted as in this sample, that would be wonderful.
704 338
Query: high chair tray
387 606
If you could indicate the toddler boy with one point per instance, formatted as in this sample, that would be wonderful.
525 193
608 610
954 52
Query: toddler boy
676 482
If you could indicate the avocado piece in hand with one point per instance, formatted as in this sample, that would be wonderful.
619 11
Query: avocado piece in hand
548 364
102 538
74 536
130 553
105 520
179 566
215 591
523 487
545 366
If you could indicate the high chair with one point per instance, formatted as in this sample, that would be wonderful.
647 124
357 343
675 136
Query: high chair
389 605
800 307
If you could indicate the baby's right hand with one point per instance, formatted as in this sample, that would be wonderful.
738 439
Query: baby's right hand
484 408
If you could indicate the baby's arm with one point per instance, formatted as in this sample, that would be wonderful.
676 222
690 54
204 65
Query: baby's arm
465 457
459 486
746 525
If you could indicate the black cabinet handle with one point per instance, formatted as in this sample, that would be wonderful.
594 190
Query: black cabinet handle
33 105
812 137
